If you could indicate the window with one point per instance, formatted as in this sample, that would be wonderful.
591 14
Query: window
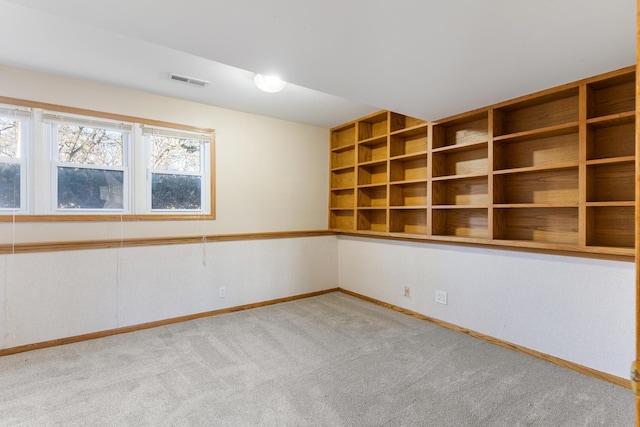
14 131
93 166
90 160
178 161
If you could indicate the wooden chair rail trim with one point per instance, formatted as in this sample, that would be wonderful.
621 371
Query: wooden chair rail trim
148 325
21 248
603 376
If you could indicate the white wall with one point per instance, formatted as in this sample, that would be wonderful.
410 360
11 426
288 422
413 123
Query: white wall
45 296
577 309
271 175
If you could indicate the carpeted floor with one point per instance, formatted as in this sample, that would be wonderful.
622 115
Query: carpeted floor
331 360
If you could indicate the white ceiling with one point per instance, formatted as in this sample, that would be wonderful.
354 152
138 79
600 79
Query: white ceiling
344 58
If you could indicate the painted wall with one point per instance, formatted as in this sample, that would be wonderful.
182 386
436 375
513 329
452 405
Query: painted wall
577 309
271 175
45 296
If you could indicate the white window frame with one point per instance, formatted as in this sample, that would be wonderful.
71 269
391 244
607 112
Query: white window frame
205 168
24 115
51 121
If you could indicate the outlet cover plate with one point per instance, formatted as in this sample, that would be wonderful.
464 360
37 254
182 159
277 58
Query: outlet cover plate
441 297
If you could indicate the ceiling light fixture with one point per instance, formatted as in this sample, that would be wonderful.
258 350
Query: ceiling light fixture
271 84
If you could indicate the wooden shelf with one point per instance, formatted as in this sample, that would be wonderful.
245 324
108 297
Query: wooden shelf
372 197
548 186
611 96
537 149
553 170
373 126
372 219
461 222
557 108
343 136
463 130
408 194
400 122
548 225
412 221
409 142
464 191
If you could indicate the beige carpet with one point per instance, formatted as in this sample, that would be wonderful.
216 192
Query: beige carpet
331 360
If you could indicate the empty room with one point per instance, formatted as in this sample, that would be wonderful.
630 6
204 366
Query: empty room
328 213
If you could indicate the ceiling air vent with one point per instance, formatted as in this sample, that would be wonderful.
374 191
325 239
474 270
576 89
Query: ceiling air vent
189 80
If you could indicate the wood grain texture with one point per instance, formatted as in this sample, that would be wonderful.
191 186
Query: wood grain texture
139 327
622 382
21 248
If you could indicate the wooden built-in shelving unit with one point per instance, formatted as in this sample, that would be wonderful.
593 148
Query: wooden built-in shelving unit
552 170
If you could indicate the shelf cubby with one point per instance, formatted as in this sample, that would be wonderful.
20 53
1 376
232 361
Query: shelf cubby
469 129
344 157
343 178
611 138
373 126
342 199
342 219
373 150
545 225
372 220
372 174
613 95
552 187
343 136
461 223
409 142
464 191
539 149
413 195
408 169
539 112
611 182
412 221
372 197
401 122
611 226
466 160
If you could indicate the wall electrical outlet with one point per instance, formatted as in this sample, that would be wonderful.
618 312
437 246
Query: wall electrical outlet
407 291
222 292
441 297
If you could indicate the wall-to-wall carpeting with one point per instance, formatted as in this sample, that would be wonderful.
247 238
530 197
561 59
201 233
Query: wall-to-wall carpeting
331 360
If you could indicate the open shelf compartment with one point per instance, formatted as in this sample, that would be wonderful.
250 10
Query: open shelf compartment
400 122
613 182
461 131
534 150
551 109
555 186
372 220
461 222
546 225
611 226
414 194
413 221
373 126
465 191
613 95
410 142
343 136
342 219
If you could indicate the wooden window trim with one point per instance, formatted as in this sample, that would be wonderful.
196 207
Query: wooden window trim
52 217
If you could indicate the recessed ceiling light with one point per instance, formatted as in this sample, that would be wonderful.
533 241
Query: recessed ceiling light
271 84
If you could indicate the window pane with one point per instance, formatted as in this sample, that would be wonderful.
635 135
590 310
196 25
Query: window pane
9 186
9 138
175 191
80 188
90 145
175 154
